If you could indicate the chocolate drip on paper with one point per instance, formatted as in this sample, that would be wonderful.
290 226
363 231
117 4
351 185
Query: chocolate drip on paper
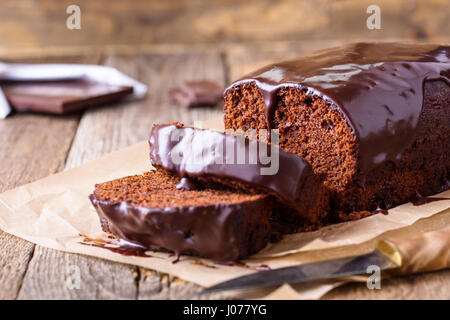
421 200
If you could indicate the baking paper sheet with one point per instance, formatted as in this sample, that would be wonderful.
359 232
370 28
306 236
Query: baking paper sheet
55 211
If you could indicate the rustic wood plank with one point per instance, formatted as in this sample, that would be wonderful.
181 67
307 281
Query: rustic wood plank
15 255
24 160
33 147
157 285
106 22
54 274
427 286
104 130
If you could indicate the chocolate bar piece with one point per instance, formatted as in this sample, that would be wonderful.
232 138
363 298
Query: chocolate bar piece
196 94
60 97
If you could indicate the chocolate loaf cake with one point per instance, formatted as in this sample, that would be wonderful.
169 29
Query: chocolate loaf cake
159 210
242 164
374 119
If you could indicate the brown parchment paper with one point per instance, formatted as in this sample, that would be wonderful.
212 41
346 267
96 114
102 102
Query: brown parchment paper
54 211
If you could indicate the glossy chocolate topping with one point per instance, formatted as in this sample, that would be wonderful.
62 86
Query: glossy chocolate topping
377 87
215 231
195 152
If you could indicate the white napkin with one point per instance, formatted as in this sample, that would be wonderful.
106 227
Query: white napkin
54 72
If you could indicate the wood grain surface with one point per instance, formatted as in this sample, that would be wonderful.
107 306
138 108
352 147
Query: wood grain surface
42 23
33 146
38 145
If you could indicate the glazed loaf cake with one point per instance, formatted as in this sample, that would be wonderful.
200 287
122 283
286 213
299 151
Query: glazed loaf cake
243 164
374 119
161 211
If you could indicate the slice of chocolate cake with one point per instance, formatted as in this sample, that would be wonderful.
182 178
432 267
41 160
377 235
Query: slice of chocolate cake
159 210
374 119
245 164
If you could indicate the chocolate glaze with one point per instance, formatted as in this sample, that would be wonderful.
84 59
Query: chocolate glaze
190 144
376 87
214 231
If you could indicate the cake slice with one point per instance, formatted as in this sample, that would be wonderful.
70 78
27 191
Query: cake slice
373 118
243 164
161 211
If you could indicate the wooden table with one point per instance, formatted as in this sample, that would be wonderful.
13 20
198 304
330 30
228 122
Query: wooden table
34 146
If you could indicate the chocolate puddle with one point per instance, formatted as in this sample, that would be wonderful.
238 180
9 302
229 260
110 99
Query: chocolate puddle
177 258
117 246
130 249
261 267
200 263
419 201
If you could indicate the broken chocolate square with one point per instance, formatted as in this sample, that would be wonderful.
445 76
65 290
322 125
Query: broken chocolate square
196 94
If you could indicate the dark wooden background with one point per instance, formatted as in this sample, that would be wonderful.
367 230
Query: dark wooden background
30 24
164 43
